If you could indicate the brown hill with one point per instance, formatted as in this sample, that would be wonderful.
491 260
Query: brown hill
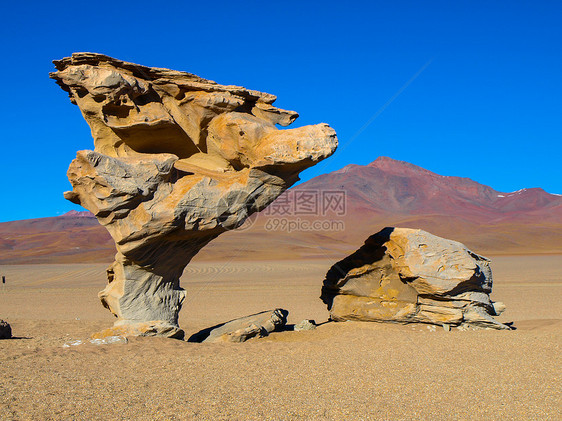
69 238
387 186
388 192
384 193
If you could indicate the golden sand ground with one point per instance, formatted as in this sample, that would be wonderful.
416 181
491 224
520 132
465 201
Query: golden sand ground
346 370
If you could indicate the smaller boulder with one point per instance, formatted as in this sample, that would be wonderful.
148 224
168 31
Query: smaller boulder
305 325
403 275
5 330
240 330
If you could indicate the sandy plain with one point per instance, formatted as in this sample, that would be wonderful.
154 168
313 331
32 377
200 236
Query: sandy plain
339 371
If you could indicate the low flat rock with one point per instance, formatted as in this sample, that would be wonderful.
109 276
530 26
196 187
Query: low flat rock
240 330
5 330
406 275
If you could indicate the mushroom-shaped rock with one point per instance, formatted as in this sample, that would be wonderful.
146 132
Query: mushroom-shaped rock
178 160
405 275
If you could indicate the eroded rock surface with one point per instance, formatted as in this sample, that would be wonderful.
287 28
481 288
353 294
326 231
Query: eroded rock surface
240 330
178 160
405 275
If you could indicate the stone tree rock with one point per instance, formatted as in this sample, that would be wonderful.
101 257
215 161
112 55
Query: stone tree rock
405 275
178 160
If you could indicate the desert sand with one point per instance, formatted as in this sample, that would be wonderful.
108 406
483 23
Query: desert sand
340 370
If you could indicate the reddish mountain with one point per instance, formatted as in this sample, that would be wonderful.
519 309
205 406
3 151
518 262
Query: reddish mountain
390 192
384 193
388 186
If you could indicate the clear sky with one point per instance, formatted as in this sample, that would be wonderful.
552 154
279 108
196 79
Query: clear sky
486 102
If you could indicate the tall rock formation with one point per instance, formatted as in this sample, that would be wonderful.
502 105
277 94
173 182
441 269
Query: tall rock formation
178 160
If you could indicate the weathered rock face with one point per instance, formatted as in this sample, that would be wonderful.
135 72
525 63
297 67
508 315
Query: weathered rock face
5 330
240 330
178 160
405 275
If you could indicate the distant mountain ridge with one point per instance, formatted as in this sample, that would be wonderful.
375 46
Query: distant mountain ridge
388 192
383 193
390 186
68 238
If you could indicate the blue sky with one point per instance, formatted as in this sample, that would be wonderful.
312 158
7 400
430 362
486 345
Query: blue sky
488 104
